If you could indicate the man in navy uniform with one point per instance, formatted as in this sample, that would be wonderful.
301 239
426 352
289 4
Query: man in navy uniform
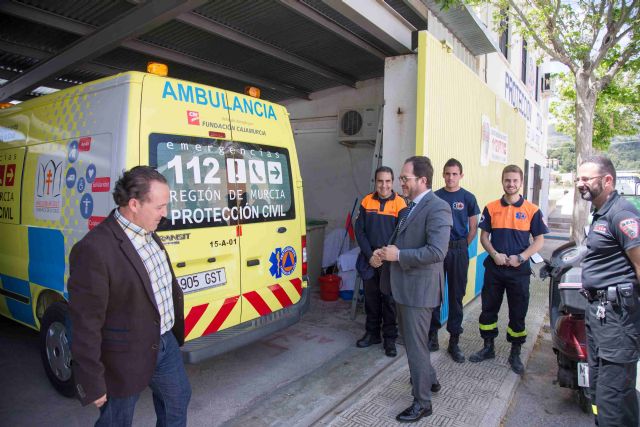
610 278
376 221
464 209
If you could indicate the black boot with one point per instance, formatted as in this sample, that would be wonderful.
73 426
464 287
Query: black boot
390 347
433 341
514 359
368 339
487 352
456 354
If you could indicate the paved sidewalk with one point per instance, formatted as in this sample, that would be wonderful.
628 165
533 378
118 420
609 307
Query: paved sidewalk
473 394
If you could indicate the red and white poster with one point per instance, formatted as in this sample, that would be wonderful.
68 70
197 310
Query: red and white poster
498 146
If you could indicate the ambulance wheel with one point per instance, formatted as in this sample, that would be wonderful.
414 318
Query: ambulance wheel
583 400
55 348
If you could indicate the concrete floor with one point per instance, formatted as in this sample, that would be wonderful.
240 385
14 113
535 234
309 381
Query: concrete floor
538 401
321 346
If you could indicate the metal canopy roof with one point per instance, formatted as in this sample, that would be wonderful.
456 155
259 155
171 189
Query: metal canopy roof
288 48
465 25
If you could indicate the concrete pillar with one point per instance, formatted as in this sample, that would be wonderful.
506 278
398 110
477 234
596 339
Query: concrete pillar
399 126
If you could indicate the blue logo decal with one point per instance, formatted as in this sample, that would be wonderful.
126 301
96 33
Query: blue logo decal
81 185
73 151
274 259
521 215
283 261
71 178
288 261
91 173
86 206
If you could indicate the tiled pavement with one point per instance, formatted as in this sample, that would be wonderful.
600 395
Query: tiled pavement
473 394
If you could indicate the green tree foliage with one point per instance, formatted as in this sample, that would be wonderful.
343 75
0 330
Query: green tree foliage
566 156
617 111
624 156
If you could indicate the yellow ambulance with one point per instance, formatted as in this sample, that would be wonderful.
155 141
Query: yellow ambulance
235 229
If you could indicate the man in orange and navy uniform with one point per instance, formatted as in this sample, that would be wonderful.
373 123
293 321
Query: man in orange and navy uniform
506 225
377 219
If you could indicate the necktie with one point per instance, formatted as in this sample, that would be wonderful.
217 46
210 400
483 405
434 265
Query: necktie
406 214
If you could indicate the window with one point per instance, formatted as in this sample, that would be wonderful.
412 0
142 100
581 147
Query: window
216 182
504 35
524 62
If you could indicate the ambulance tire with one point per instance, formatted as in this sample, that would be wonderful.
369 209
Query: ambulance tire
55 348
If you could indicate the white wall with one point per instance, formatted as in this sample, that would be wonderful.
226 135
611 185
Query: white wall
400 86
333 174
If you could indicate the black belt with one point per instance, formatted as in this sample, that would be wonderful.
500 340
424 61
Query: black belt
460 243
594 294
608 294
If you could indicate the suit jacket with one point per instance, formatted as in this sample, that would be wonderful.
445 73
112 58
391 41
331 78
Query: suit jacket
115 323
417 279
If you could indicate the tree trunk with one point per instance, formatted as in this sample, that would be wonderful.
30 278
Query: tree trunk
585 107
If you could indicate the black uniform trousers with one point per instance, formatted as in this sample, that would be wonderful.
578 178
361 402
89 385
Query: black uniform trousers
456 266
380 309
613 350
516 285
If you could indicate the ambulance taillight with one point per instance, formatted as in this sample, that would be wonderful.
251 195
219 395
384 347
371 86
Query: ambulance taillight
304 255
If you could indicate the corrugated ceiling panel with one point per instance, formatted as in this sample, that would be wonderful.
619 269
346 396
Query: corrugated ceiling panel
25 33
184 38
94 12
136 62
327 11
407 13
281 27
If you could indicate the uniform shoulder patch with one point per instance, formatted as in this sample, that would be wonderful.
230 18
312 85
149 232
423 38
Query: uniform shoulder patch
629 227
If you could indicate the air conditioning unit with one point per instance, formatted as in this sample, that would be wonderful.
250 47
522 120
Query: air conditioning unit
358 125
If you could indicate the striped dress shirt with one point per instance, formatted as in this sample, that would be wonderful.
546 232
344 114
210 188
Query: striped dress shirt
156 263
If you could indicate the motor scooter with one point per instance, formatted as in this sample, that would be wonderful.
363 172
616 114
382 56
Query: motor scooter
567 319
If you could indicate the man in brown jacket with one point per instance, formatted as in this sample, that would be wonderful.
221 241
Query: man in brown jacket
126 309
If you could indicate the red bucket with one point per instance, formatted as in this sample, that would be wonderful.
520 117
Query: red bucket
329 287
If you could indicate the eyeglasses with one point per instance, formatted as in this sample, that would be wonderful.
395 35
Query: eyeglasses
404 179
585 179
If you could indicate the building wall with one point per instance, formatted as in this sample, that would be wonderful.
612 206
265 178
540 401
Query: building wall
333 175
451 104
440 32
399 137
504 76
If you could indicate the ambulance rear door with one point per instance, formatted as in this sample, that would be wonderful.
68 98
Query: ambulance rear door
271 245
183 137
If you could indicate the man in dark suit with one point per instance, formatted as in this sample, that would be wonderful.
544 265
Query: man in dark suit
415 276
126 309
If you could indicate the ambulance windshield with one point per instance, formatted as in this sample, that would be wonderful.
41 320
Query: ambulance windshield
216 182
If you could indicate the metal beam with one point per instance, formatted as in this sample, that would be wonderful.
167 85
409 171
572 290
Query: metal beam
67 24
54 84
39 54
240 38
378 19
43 17
321 20
172 55
419 9
103 39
